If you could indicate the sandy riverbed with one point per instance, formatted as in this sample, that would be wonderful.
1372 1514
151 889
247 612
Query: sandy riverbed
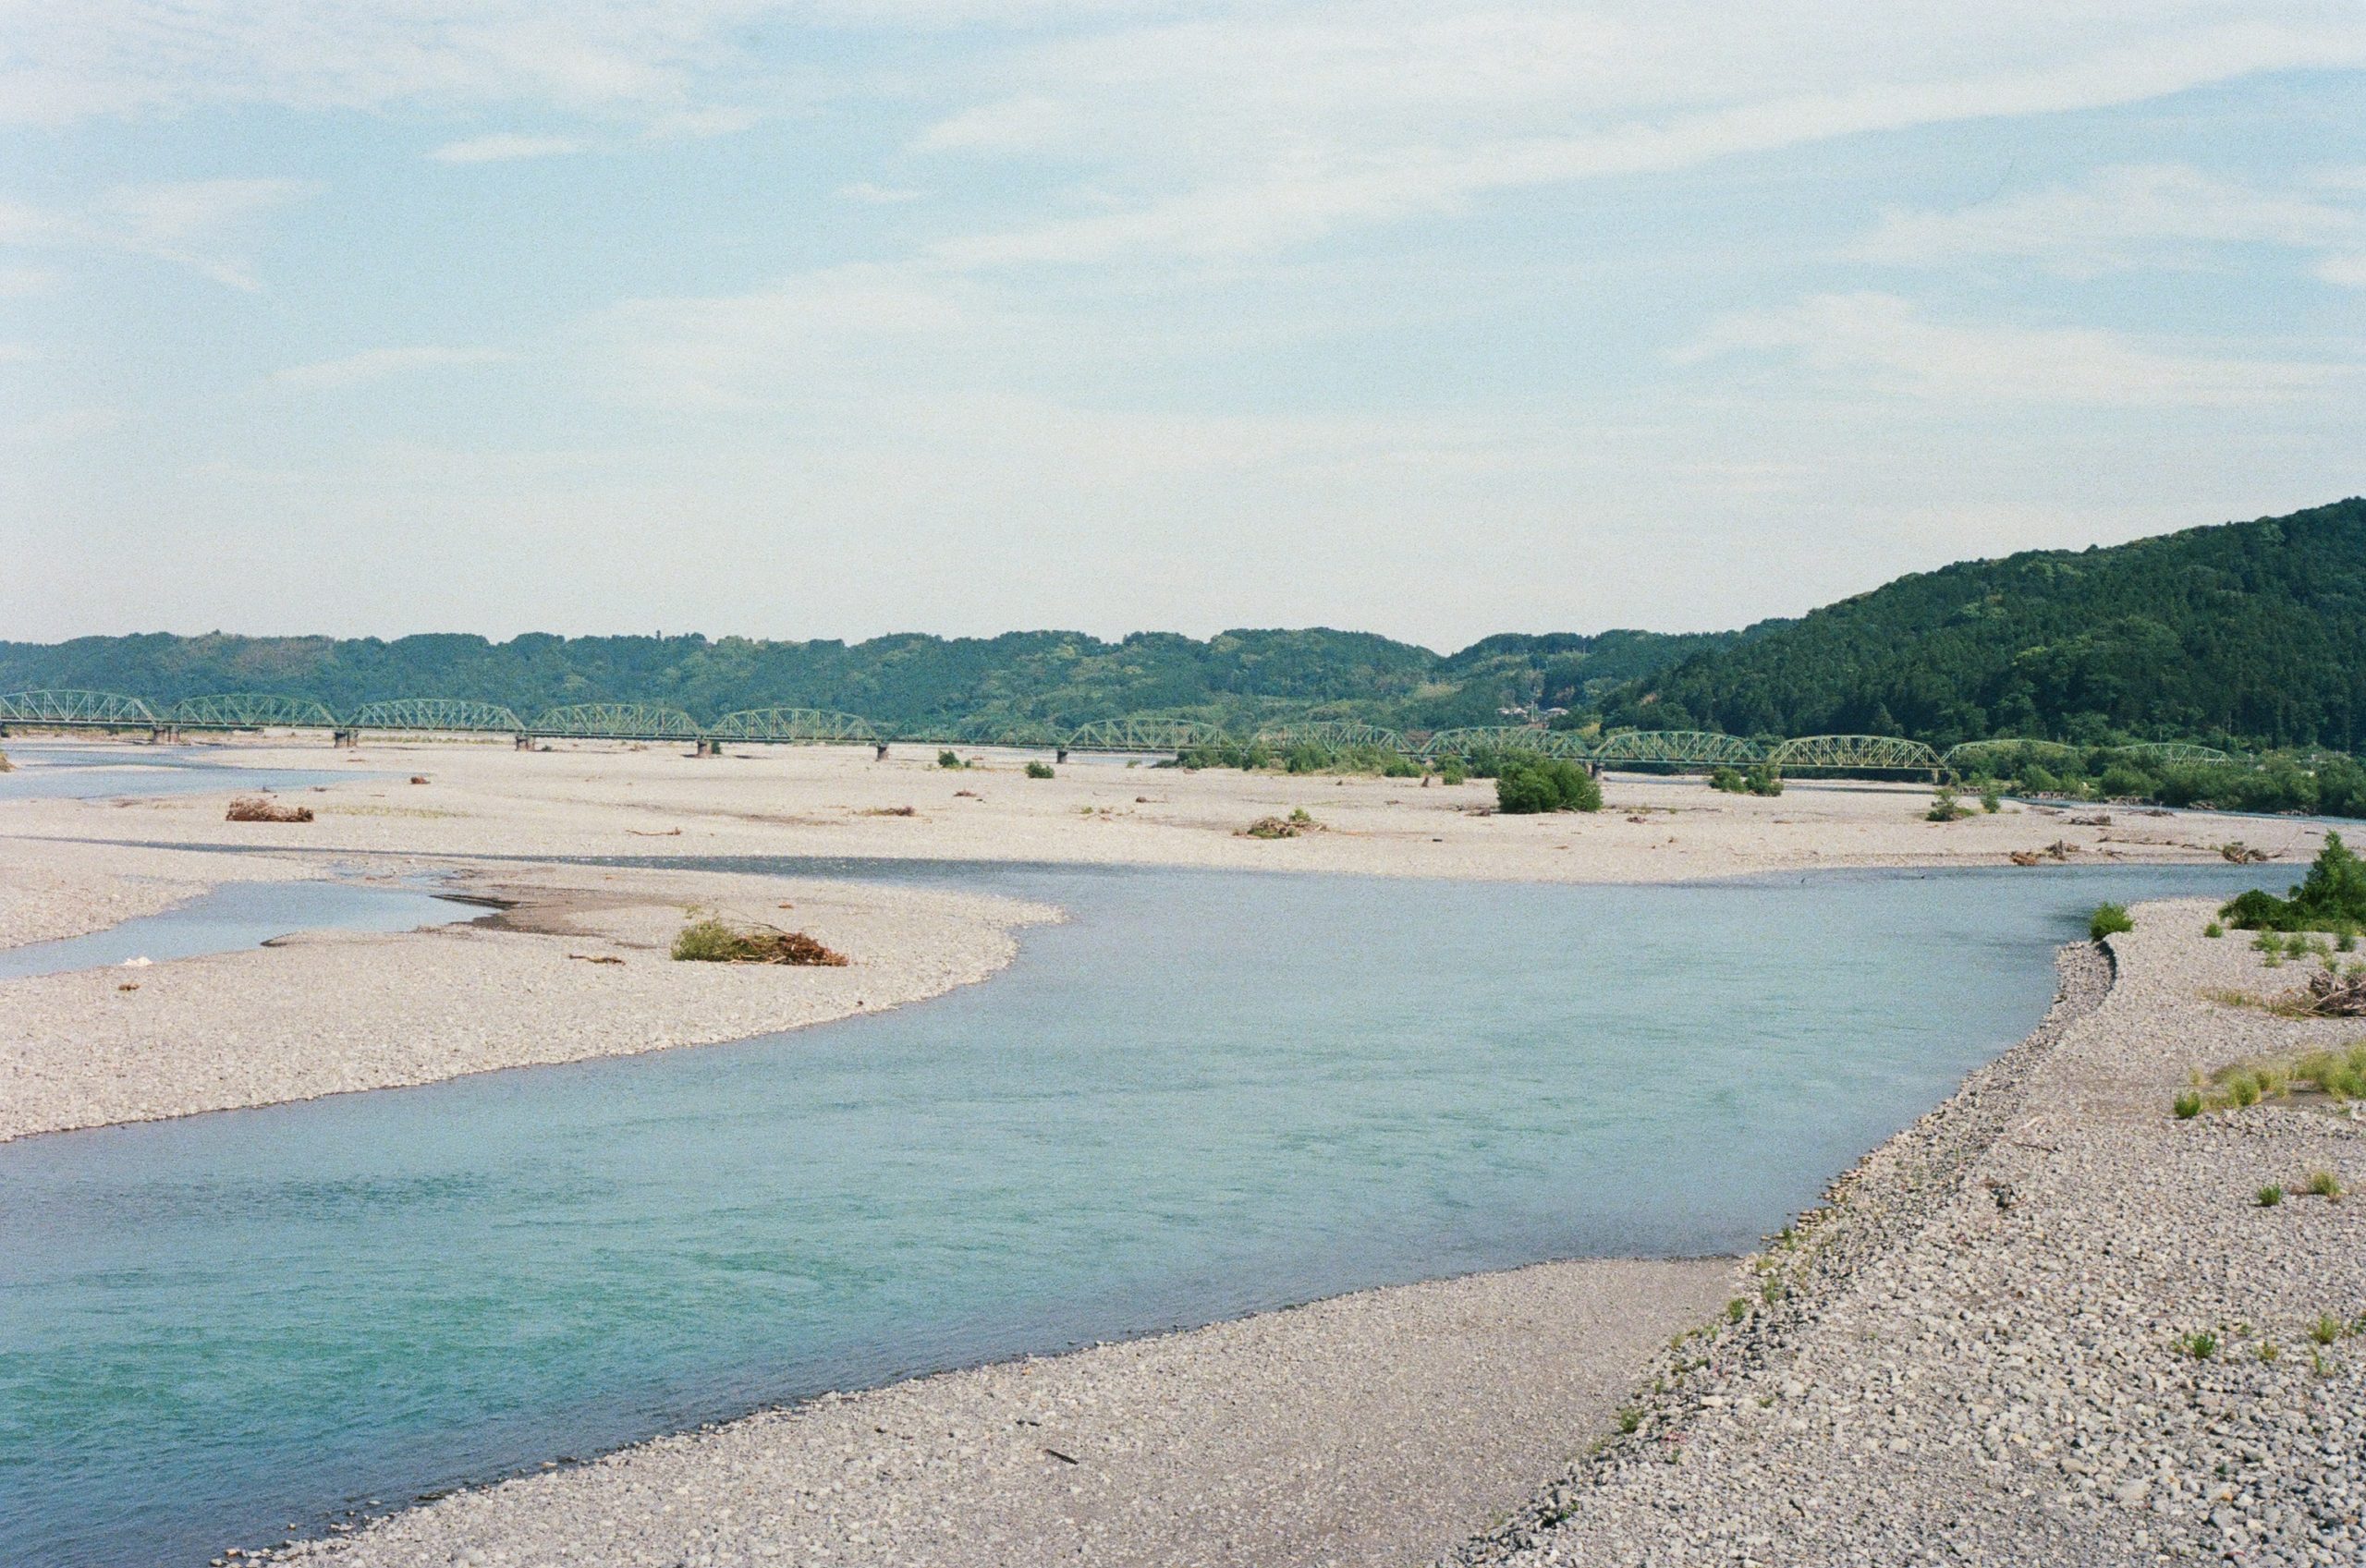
493 800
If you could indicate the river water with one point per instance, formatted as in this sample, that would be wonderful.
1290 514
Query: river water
1208 1093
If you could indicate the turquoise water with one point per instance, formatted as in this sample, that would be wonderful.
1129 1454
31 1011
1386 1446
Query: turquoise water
1209 1093
240 915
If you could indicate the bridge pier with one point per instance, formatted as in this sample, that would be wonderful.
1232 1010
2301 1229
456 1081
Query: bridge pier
343 737
704 746
879 755
525 741
1060 753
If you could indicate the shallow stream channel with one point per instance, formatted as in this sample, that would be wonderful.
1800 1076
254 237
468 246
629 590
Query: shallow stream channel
1206 1094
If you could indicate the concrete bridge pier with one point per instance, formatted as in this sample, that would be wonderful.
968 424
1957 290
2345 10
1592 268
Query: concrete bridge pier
705 747
345 737
880 754
525 742
1060 754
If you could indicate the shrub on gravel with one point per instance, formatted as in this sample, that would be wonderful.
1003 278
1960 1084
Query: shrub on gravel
2202 1345
1038 770
712 940
2324 1184
2109 919
2270 1195
2188 1106
2213 930
949 759
2332 898
2325 1330
1530 785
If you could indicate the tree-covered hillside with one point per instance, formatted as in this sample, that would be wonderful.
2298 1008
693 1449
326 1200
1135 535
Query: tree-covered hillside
1065 678
2249 633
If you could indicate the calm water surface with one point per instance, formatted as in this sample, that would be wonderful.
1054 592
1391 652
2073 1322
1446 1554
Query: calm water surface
242 915
1207 1094
64 771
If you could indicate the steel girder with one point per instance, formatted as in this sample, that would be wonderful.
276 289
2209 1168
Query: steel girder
85 710
1857 753
1031 733
1473 740
2172 751
435 715
1678 748
1136 733
251 710
793 726
615 720
1334 734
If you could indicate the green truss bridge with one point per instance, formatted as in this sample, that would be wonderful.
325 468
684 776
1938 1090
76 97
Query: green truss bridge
1149 734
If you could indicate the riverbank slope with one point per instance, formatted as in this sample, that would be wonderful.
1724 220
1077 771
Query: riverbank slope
1988 1342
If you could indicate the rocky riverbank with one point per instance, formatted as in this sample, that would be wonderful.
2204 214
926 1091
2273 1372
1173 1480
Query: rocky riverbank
2050 1322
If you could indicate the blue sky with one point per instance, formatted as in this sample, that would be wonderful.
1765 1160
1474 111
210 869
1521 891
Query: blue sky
814 319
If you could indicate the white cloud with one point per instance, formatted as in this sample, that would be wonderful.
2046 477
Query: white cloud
2122 218
195 223
1882 342
503 147
1247 132
878 195
376 364
17 353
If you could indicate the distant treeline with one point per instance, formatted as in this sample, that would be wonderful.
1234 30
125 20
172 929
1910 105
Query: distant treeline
1238 679
2250 635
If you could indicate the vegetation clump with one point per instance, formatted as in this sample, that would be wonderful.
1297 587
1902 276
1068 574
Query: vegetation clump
712 940
255 808
2109 919
1945 807
6 766
950 760
1039 770
1529 785
2332 898
1762 779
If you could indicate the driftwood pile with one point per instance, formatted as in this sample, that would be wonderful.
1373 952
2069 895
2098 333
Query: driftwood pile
2328 995
255 808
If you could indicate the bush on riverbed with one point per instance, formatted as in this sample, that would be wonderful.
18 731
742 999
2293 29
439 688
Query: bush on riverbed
1529 785
2333 897
1039 770
2109 919
712 940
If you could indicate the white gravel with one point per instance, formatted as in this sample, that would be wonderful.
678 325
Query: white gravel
337 1011
1978 1360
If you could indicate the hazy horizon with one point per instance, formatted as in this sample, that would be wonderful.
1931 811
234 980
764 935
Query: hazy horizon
841 317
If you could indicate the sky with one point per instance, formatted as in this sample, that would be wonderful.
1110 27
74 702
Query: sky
833 318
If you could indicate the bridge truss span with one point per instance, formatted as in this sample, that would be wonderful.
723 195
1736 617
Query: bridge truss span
1856 754
793 726
615 720
1141 734
251 710
1677 748
434 715
1337 735
78 709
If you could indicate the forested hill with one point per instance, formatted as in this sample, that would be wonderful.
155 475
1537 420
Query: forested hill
2254 633
1237 677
